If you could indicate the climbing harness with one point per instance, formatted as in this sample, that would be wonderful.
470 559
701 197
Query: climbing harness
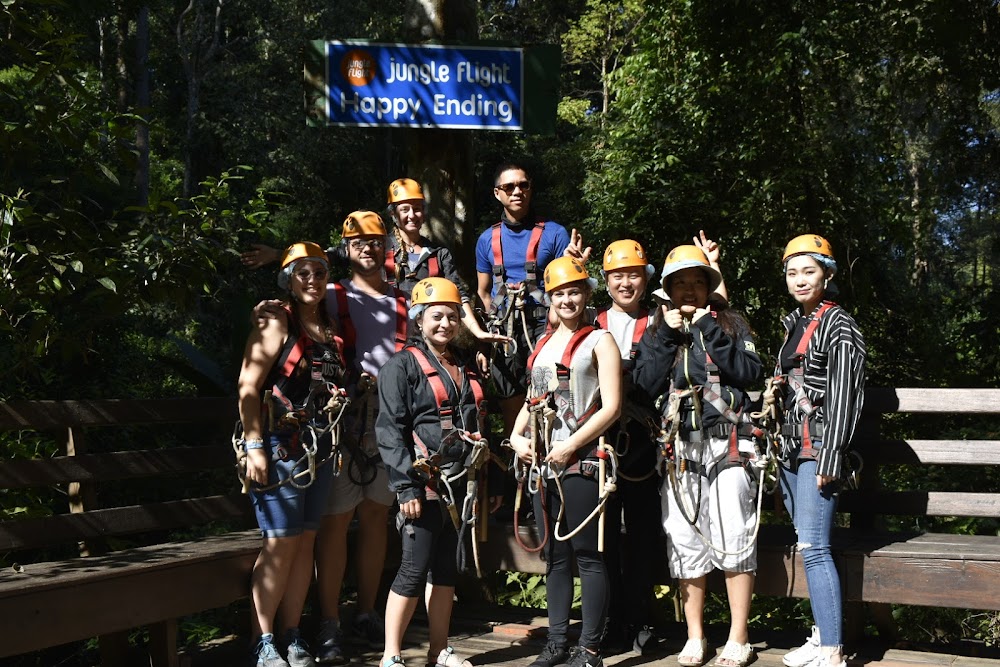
433 267
640 328
309 433
806 432
308 422
675 467
457 444
542 413
606 486
510 299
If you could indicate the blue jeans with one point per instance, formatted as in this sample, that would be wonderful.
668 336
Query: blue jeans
813 512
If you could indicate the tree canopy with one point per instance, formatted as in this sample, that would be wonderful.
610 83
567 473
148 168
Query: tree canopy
144 143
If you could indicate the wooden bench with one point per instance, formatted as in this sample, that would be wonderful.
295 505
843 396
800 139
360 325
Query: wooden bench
878 562
177 451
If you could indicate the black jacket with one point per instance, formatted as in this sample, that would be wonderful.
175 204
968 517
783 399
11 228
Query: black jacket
407 405
737 359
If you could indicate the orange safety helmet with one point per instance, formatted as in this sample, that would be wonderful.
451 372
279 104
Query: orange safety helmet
403 189
363 223
807 244
564 270
624 253
304 250
435 290
687 257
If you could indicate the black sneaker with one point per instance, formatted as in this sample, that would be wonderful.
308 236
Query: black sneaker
370 628
581 657
553 654
645 641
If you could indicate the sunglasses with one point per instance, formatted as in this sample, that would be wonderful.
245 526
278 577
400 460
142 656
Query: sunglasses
509 188
305 275
358 244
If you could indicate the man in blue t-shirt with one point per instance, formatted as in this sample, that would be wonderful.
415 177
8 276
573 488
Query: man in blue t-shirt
511 257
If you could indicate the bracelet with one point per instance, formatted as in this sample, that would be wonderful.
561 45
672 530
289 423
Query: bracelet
253 443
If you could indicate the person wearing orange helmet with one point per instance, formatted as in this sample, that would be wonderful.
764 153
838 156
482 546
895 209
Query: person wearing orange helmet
700 361
430 429
411 257
575 395
373 321
821 374
296 358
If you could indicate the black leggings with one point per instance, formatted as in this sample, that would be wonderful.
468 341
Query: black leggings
581 498
632 556
428 552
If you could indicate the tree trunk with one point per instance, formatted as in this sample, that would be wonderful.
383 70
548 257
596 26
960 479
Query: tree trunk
196 47
142 103
442 159
121 64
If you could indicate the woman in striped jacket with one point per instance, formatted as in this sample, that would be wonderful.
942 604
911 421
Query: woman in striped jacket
822 364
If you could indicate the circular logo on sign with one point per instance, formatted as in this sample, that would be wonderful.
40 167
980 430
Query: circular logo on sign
358 67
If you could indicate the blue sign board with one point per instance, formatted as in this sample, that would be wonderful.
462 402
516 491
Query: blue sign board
404 85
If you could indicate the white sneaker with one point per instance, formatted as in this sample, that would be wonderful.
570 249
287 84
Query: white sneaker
805 654
824 661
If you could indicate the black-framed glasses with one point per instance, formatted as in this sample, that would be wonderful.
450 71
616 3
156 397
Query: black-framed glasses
359 244
509 188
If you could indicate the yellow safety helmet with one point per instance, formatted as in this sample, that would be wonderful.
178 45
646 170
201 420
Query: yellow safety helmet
564 270
435 290
812 244
363 223
403 189
687 257
304 250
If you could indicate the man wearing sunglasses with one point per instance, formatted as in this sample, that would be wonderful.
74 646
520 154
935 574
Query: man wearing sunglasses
511 257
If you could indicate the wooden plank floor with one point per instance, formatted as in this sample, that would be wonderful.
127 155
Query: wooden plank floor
515 640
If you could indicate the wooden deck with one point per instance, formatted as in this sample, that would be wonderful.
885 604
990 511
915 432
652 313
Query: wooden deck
515 640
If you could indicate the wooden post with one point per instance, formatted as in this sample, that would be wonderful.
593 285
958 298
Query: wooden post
163 644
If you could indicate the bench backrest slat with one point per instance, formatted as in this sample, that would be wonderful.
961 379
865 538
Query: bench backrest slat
939 452
177 514
921 503
933 400
53 415
114 466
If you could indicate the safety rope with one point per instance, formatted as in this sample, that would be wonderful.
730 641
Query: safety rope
609 487
541 421
338 403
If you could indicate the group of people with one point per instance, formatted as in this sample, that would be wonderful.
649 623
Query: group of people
368 393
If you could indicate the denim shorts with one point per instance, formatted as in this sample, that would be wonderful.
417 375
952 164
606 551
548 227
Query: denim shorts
286 511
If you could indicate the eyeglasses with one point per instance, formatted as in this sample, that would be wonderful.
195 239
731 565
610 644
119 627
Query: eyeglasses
305 275
358 244
509 188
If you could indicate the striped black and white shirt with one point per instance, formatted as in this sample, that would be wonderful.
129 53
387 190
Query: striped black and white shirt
834 380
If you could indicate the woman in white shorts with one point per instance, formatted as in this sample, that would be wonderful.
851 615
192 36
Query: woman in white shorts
700 359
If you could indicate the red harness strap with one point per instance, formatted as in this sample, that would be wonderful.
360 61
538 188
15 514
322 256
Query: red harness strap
640 328
530 258
390 265
433 266
445 410
350 334
796 378
563 374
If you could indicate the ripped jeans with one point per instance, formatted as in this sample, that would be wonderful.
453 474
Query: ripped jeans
813 512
